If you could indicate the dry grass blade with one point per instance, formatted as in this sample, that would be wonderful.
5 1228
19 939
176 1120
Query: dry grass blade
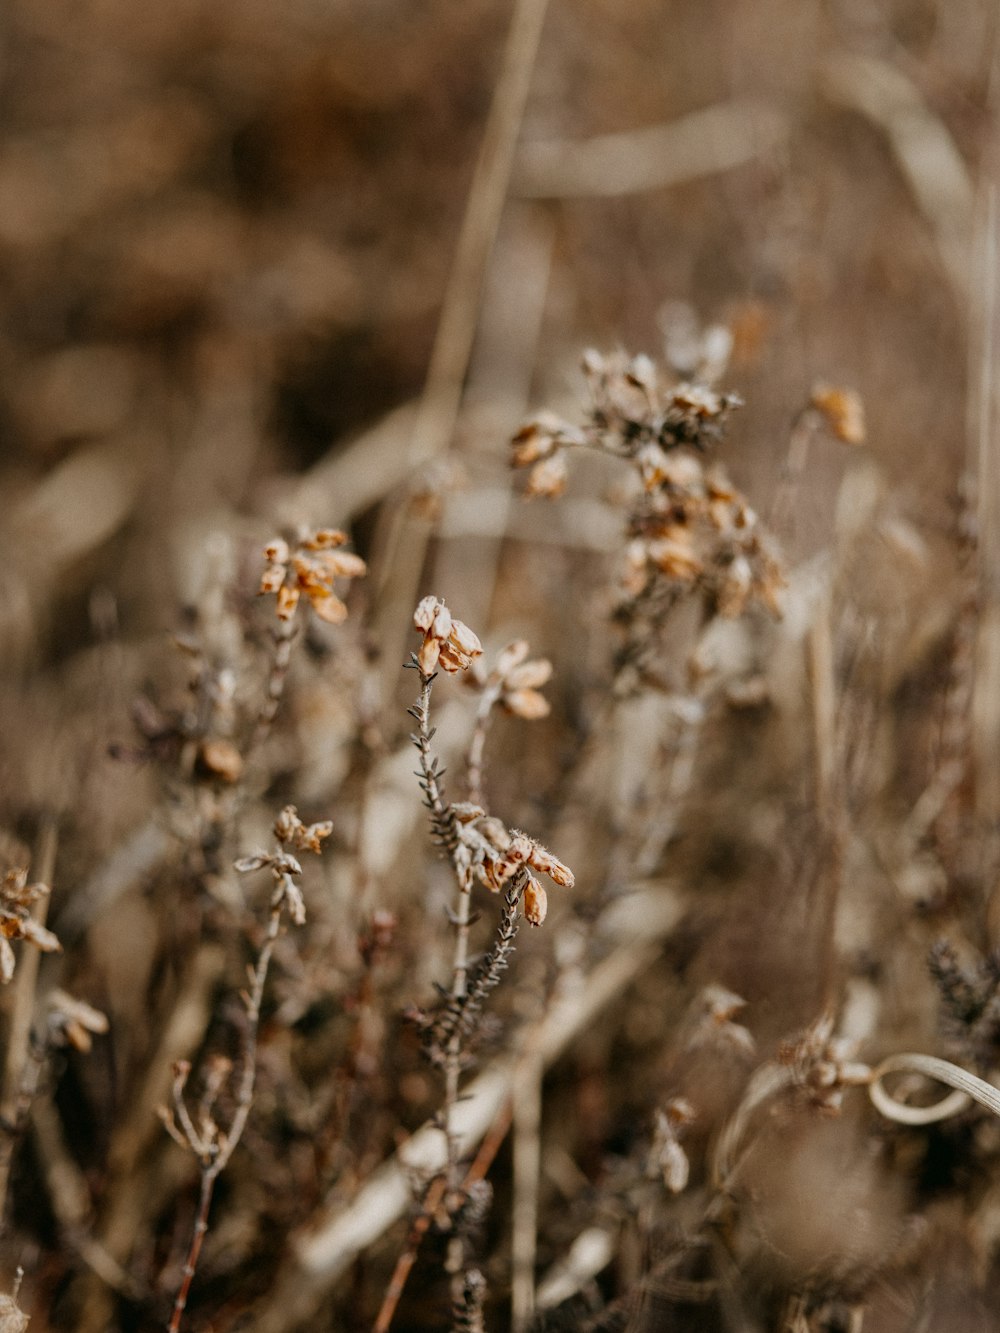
701 143
967 1087
925 150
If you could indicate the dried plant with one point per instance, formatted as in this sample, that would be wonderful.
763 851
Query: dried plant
719 1060
690 531
480 849
17 898
213 1143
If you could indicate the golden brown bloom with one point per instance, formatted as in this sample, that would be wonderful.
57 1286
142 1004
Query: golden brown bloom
548 477
448 643
536 903
843 411
519 681
310 570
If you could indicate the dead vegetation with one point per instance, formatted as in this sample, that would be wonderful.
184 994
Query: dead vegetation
723 1058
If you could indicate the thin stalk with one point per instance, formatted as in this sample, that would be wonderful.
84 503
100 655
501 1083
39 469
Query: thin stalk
477 746
209 1175
214 1153
443 823
284 636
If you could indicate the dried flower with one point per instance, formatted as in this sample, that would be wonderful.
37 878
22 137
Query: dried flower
821 1065
548 477
220 759
285 868
690 530
518 681
73 1022
667 1159
535 902
843 411
17 897
311 570
12 1317
496 854
289 829
448 643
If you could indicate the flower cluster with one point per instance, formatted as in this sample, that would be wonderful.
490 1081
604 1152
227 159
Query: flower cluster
690 526
285 868
821 1067
448 643
310 568
17 897
693 528
631 409
495 854
517 680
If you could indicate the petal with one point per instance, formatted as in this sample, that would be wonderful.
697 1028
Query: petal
531 675
548 477
344 565
276 552
427 657
464 639
288 600
528 704
423 616
323 538
272 578
536 903
328 607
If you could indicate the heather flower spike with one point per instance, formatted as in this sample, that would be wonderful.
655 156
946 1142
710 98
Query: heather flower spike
310 570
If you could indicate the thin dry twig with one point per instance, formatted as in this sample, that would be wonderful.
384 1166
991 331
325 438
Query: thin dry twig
21 1070
923 147
323 1252
211 1144
527 1169
437 413
488 1150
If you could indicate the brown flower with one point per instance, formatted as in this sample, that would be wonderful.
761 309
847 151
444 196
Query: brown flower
842 410
448 643
311 570
548 477
520 680
535 902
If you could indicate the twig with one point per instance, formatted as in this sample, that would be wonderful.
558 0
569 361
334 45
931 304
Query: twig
985 712
477 746
443 828
421 1224
437 413
20 1070
211 1145
527 1166
214 1149
325 1251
